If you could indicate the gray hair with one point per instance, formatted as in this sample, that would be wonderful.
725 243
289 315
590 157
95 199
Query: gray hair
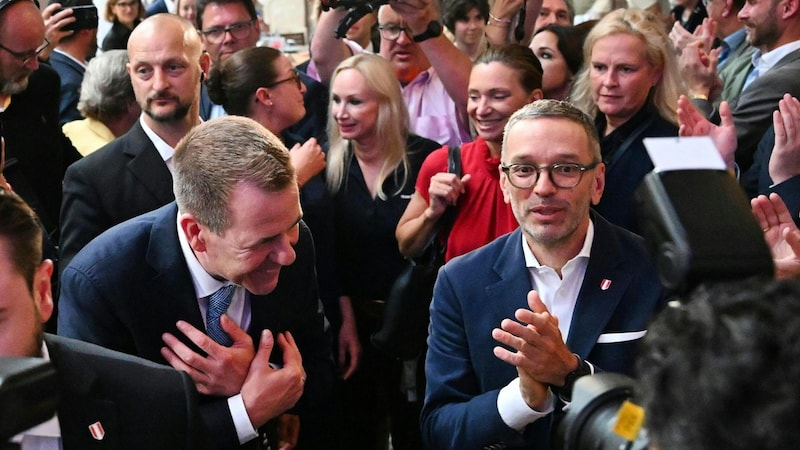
216 156
556 109
106 90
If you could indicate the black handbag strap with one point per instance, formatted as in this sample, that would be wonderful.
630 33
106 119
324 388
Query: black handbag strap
449 216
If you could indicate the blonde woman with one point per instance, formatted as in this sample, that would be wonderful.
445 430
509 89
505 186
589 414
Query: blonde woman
373 162
630 84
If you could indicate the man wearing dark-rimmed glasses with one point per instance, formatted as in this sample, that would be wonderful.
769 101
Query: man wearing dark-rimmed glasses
515 323
37 152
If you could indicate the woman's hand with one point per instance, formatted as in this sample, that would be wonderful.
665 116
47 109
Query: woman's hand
308 160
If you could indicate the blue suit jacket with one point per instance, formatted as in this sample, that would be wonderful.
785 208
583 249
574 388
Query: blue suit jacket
139 404
131 284
475 292
71 74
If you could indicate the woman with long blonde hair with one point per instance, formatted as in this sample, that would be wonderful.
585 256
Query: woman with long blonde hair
373 161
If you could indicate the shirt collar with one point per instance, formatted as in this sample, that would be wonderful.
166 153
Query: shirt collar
58 50
162 147
532 262
204 284
765 61
735 39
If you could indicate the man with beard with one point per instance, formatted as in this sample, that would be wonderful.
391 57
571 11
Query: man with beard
564 295
773 28
69 59
132 174
37 151
128 402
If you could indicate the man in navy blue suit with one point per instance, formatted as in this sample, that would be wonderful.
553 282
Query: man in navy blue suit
149 286
515 323
69 59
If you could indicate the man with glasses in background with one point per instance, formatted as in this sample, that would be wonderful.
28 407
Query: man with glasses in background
227 26
37 152
515 323
434 73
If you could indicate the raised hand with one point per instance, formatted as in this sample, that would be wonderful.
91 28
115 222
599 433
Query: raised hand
784 162
308 160
780 233
540 351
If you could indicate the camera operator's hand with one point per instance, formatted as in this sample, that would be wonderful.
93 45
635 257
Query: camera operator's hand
780 233
540 349
53 22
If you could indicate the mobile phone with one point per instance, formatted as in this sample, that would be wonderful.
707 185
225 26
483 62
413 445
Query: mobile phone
85 18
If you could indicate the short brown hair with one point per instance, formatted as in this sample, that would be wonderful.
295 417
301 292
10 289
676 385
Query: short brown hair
216 156
21 234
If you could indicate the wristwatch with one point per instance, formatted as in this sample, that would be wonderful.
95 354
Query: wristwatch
565 391
434 29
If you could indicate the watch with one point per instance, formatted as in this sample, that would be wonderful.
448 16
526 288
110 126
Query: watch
565 391
434 29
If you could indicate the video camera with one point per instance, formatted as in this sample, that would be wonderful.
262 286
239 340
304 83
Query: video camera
28 395
357 10
699 228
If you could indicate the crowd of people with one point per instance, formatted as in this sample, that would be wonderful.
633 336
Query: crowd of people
209 234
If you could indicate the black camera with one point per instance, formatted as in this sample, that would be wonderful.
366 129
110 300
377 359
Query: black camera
603 415
357 10
28 394
85 18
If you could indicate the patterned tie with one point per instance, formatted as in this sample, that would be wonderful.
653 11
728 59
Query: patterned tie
218 303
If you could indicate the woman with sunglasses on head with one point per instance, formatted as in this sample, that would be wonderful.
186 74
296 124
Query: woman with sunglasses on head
372 166
124 15
503 79
630 83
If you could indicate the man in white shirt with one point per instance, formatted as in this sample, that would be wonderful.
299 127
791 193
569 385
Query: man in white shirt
515 323
106 399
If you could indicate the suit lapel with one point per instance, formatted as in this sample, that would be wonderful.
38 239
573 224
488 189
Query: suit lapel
81 406
172 280
511 291
603 287
147 165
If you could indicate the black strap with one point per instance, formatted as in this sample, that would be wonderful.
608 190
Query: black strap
437 245
626 144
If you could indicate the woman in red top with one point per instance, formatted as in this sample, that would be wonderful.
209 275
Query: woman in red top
503 79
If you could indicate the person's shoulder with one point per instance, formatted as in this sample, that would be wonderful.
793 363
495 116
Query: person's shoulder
486 253
437 159
104 158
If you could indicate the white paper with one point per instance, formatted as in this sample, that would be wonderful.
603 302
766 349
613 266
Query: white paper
682 153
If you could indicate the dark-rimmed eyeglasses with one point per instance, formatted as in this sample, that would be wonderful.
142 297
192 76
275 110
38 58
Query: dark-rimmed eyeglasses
26 57
239 30
392 32
562 175
295 77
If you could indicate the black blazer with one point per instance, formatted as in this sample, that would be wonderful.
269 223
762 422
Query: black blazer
139 404
123 179
117 36
131 284
37 152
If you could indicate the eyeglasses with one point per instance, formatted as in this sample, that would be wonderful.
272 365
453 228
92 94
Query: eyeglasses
26 57
392 32
295 77
563 175
238 30
126 4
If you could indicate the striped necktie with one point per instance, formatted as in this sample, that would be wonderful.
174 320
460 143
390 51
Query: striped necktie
218 303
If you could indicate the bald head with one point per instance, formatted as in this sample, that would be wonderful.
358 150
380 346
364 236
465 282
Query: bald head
166 28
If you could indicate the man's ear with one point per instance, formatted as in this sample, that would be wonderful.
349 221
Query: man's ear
195 234
205 65
42 289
